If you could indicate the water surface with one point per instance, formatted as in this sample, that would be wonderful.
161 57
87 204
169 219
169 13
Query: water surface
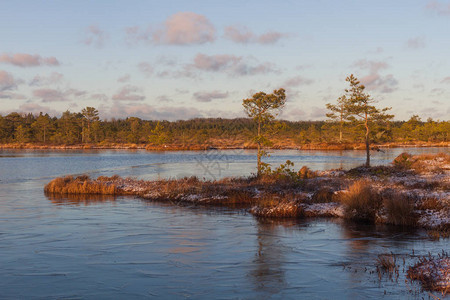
119 247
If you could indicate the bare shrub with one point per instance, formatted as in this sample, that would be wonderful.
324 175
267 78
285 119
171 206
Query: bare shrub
361 202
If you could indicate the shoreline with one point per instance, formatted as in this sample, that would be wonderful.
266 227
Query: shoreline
323 146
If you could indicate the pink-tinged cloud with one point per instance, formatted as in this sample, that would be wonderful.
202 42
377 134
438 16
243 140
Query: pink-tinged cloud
53 95
53 78
439 8
297 81
128 93
371 65
230 64
148 112
36 109
446 80
124 78
49 95
209 96
374 81
383 84
145 68
10 95
7 81
95 36
293 113
416 43
27 60
183 28
215 62
242 35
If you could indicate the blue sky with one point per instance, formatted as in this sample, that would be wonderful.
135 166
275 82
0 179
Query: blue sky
185 59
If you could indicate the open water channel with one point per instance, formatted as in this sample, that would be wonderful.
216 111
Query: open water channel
123 247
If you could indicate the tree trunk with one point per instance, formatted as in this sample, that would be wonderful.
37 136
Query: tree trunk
259 150
367 143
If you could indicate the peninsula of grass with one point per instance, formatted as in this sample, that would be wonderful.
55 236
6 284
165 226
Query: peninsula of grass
414 191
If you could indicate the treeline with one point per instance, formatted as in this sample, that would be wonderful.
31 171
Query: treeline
86 127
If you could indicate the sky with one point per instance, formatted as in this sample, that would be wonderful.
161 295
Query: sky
185 59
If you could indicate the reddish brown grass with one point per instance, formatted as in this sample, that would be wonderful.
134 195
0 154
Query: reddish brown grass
400 210
361 202
79 185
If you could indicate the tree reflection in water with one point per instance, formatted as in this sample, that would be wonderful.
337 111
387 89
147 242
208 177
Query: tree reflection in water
268 274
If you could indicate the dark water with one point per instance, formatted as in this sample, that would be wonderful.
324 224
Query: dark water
104 247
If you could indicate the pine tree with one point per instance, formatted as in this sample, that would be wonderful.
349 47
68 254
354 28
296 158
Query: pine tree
359 107
263 108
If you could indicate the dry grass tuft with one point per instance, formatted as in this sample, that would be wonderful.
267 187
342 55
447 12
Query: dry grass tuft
361 202
400 210
79 185
305 173
323 195
387 263
240 197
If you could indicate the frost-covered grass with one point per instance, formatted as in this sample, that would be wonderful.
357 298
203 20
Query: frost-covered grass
432 272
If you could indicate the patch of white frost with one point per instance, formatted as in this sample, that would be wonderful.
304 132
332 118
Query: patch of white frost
324 209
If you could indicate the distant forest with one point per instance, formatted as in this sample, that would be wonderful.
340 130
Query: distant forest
86 127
